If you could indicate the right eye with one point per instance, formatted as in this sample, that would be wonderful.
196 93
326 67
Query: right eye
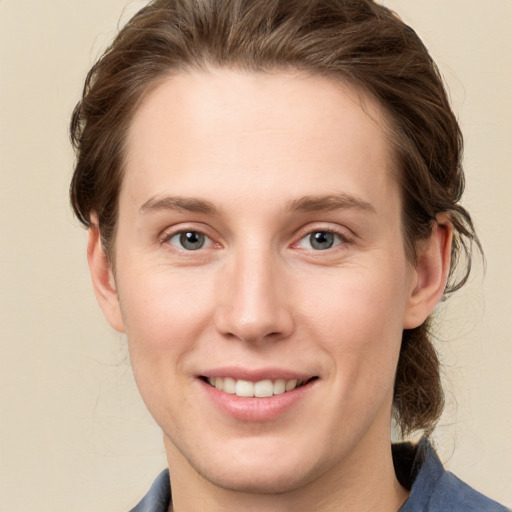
189 240
321 240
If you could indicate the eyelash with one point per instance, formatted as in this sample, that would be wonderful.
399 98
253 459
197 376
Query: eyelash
342 239
343 235
328 236
168 236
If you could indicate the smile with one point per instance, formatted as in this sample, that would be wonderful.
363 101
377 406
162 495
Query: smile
261 389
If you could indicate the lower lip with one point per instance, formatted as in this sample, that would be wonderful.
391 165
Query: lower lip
256 409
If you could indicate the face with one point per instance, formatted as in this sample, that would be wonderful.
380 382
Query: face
261 276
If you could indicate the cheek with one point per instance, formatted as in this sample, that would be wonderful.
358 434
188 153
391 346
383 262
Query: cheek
164 313
357 316
165 319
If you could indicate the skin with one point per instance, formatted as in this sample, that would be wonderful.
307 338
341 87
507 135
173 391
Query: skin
241 152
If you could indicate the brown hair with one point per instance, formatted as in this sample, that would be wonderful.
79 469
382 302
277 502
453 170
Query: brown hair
357 41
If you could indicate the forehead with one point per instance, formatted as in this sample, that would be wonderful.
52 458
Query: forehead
262 131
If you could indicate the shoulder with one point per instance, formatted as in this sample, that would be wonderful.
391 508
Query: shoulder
451 490
433 489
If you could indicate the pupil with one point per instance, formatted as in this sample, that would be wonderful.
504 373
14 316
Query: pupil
192 240
321 240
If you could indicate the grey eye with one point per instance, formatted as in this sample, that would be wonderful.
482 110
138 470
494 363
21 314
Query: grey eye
189 240
322 240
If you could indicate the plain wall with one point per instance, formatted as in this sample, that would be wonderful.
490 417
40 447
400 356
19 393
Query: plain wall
74 435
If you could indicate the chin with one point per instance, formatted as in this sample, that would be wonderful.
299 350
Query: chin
253 480
260 467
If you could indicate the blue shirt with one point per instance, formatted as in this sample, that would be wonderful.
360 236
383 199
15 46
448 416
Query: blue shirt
418 469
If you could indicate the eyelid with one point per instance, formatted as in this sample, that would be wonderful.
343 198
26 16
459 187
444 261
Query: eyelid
346 236
170 232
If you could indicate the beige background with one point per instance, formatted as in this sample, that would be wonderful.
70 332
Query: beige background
74 435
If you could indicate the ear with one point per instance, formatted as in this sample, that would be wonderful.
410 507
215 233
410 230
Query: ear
103 277
430 273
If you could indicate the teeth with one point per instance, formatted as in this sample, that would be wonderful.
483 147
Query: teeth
264 388
291 384
244 388
260 389
229 386
279 386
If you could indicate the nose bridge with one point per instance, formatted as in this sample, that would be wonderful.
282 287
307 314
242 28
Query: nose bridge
254 303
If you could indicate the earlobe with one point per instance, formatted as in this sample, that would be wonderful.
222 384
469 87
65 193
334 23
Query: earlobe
103 278
431 272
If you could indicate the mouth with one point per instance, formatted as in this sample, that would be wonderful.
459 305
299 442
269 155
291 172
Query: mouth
261 389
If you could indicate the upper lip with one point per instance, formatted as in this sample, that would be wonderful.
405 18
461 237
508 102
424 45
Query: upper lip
256 374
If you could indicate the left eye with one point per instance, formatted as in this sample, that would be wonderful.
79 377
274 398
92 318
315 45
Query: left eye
320 240
189 240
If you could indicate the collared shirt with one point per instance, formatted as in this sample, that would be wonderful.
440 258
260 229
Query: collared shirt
418 469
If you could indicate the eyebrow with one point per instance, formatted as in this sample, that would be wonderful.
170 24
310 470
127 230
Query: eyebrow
330 202
303 204
189 204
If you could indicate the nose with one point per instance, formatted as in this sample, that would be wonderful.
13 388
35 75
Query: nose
253 303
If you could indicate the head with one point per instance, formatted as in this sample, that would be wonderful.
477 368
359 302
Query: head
357 44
